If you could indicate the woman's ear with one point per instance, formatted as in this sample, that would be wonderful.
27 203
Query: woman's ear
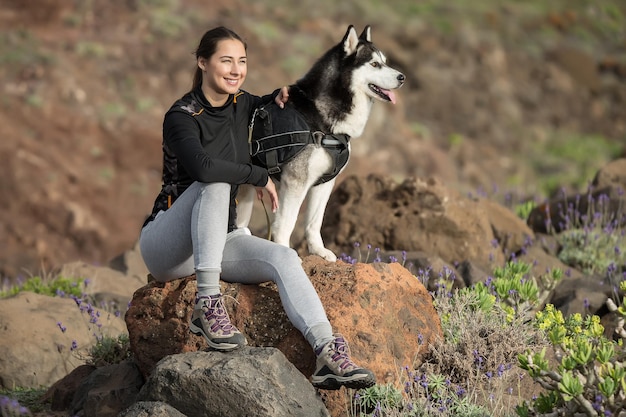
201 63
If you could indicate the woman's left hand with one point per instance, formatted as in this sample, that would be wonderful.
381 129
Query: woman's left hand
271 191
282 97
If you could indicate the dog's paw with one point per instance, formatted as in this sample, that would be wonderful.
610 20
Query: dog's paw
324 253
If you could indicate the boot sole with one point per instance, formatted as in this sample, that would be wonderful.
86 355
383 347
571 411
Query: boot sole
335 382
224 347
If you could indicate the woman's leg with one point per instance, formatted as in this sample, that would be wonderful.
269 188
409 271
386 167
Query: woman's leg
252 260
189 238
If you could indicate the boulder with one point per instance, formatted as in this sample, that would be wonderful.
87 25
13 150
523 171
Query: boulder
249 381
511 232
106 287
358 299
416 215
383 311
61 393
107 390
42 338
612 174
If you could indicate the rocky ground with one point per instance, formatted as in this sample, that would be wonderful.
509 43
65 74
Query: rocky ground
85 86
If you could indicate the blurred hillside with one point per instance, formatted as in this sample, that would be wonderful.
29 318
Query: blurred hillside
510 99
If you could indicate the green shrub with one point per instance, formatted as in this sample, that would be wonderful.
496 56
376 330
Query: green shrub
590 377
473 369
109 350
59 286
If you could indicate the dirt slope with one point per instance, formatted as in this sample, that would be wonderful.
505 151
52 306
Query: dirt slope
85 86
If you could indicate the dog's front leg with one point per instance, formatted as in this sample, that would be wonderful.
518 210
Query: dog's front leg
245 203
290 197
317 201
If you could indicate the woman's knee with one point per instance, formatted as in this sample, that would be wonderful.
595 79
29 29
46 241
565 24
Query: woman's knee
214 187
284 255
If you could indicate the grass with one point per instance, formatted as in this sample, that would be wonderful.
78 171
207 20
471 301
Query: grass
51 286
569 160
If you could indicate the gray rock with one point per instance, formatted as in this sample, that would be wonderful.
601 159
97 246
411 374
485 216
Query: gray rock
248 381
151 409
107 391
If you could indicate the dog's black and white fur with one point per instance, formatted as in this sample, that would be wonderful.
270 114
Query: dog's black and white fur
335 96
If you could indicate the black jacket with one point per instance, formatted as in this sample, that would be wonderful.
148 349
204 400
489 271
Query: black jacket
208 144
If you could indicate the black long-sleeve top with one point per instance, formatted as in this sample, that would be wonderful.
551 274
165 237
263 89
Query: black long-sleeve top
208 144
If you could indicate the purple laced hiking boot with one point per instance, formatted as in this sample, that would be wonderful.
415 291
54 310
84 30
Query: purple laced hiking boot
211 320
335 369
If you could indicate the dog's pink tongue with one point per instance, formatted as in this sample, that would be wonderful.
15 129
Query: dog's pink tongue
391 95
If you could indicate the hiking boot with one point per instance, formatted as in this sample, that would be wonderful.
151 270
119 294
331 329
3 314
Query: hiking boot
211 320
335 369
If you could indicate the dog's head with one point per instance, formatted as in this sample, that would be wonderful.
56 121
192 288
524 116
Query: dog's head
371 74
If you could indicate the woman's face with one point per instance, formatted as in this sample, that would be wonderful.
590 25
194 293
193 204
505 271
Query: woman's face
224 72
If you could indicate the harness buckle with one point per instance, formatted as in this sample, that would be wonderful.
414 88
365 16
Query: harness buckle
318 137
250 146
273 170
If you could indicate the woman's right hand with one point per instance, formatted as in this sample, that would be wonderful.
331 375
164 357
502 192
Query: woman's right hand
270 187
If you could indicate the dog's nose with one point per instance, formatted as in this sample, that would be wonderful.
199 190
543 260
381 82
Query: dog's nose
401 78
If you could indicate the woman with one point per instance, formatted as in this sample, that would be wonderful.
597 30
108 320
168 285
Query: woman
192 226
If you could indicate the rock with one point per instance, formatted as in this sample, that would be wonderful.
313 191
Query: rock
248 381
543 263
429 269
61 393
564 212
511 232
383 311
35 351
472 274
581 294
158 322
131 264
152 409
612 175
107 390
580 65
357 299
416 215
106 287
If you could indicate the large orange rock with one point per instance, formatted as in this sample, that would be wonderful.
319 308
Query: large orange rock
383 311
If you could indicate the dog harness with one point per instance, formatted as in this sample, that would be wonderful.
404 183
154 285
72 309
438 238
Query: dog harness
279 135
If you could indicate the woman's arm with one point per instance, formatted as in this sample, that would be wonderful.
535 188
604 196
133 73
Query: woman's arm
182 135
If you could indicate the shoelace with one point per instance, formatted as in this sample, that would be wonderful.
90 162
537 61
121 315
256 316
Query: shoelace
340 354
216 311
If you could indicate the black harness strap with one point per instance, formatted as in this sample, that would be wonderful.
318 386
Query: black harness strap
277 135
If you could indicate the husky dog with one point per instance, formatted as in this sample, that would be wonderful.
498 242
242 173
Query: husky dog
307 144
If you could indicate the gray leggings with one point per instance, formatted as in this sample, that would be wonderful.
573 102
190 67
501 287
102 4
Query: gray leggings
191 236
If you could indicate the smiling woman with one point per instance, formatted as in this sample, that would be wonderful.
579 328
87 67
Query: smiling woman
192 228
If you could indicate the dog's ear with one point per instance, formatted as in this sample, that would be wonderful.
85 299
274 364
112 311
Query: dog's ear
366 35
350 41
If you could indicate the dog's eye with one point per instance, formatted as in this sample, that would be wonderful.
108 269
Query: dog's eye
376 64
